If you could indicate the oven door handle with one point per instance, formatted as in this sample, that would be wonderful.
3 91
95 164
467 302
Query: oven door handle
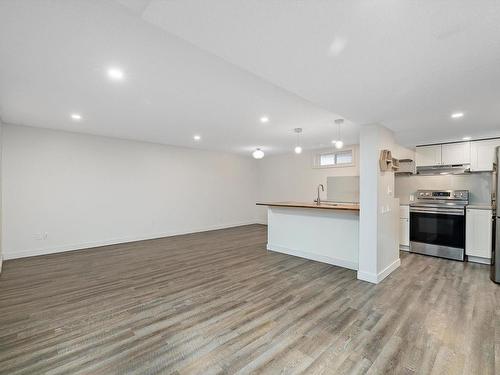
447 211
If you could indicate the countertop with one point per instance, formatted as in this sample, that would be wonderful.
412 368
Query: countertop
480 206
324 206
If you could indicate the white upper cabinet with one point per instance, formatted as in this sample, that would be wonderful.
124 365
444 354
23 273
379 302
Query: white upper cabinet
483 155
455 153
427 156
479 154
400 152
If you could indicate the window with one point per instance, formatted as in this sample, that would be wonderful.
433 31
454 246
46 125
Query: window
343 157
328 159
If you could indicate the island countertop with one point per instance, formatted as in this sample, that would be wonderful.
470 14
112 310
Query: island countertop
325 206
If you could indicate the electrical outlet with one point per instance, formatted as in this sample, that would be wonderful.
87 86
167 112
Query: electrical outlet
41 236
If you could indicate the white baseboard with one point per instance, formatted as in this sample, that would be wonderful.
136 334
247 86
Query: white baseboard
368 276
114 241
377 278
478 260
315 257
388 270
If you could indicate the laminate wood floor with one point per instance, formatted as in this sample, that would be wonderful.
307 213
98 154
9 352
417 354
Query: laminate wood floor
218 302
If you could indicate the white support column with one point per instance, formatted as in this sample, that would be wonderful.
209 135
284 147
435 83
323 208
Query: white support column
379 214
1 197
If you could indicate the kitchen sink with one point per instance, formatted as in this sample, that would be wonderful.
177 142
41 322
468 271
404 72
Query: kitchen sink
330 203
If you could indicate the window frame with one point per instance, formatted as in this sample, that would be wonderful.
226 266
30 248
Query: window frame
318 154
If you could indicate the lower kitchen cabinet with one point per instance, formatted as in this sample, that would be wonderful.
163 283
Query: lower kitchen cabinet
478 234
404 232
404 227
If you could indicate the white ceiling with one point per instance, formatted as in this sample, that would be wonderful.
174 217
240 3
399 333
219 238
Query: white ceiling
406 64
53 61
214 67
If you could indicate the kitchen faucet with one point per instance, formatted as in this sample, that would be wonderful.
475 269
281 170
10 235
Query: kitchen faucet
318 200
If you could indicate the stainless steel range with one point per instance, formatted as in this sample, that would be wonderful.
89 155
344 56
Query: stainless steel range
437 223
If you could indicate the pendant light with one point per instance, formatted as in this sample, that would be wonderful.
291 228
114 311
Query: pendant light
338 142
298 147
258 153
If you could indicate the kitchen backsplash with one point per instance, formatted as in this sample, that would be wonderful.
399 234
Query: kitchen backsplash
480 185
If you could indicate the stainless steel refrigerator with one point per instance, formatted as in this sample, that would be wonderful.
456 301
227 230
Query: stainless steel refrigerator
495 259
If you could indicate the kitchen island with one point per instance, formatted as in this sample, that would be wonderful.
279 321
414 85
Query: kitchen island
327 233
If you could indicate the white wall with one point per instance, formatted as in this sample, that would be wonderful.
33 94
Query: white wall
1 185
379 210
290 177
67 191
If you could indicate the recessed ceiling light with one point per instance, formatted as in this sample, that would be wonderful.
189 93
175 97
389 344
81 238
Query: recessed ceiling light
76 116
466 138
264 119
258 154
337 46
197 137
115 74
457 115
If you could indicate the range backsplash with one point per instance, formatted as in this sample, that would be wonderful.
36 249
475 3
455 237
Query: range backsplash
480 185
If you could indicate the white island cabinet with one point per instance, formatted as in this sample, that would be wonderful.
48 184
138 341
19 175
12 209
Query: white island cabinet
325 233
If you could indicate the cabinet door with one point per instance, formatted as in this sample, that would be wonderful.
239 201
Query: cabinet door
470 233
478 235
456 153
404 212
427 156
483 155
404 232
401 152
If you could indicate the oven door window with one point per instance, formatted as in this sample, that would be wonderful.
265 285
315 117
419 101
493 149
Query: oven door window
438 229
